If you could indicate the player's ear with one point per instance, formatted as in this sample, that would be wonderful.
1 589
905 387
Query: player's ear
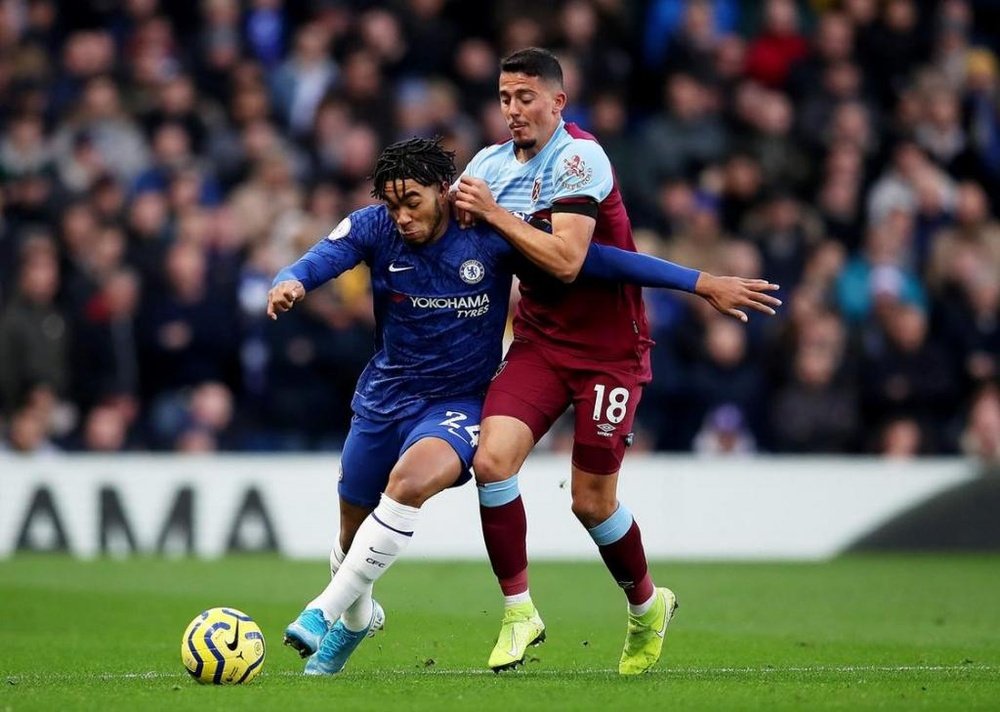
559 100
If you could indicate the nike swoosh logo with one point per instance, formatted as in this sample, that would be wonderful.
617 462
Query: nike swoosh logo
236 637
401 268
663 628
380 553
513 644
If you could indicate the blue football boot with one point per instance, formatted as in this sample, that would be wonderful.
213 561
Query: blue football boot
339 643
306 632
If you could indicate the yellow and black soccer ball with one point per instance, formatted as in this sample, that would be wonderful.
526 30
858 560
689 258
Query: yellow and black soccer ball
223 646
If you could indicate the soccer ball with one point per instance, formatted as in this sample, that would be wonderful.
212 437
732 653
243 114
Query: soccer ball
223 646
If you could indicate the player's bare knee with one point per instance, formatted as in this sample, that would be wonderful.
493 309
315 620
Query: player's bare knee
490 467
592 508
410 489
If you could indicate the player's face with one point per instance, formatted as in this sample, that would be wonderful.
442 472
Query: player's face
531 106
419 211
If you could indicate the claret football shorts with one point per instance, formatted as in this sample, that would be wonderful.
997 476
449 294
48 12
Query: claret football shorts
536 385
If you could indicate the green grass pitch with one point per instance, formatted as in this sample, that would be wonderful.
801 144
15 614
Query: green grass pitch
856 633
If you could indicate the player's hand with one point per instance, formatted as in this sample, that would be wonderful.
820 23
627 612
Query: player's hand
463 217
474 197
283 297
734 295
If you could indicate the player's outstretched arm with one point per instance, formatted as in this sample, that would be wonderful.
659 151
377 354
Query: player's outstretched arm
339 251
730 295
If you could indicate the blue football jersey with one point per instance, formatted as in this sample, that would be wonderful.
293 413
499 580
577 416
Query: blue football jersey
440 310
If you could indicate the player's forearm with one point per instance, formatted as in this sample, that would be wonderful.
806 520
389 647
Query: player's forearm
615 265
310 269
551 252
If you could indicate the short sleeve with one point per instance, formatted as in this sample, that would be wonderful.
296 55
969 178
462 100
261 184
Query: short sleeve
475 167
582 170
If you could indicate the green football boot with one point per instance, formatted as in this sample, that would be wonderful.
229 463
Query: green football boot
644 639
521 627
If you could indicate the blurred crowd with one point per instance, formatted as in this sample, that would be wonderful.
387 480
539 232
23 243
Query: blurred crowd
160 161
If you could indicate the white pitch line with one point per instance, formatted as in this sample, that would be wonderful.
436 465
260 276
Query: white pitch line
542 672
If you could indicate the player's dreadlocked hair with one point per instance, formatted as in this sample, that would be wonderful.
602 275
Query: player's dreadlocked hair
420 159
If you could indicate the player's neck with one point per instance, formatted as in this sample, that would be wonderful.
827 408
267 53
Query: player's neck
523 155
442 227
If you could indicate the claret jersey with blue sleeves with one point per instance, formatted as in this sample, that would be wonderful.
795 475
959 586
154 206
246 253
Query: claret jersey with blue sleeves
440 310
594 320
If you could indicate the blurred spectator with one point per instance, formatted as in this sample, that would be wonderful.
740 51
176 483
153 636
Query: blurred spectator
902 439
301 82
102 122
187 331
833 43
981 438
724 433
266 30
431 38
905 374
200 419
817 410
105 430
779 45
33 331
104 353
666 20
895 46
684 139
880 273
726 371
785 237
27 433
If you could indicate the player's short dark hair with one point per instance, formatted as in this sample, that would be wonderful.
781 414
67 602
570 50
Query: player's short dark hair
423 160
535 62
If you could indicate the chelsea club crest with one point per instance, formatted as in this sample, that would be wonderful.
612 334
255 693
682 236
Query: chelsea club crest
471 271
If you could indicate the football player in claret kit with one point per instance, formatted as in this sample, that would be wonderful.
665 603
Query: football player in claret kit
440 299
584 344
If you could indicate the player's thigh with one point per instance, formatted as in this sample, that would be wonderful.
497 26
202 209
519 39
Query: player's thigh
605 404
370 452
438 450
504 445
527 389
430 465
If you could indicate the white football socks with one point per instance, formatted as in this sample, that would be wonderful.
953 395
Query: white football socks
516 599
381 538
638 609
359 613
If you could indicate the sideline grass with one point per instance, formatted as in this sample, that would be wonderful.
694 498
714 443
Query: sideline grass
862 632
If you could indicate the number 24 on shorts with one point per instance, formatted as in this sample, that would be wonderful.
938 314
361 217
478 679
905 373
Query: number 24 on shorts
453 423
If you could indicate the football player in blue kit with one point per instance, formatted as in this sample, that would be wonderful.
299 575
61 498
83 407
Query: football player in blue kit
440 299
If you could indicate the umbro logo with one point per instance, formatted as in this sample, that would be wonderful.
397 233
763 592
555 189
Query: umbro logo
393 267
606 427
